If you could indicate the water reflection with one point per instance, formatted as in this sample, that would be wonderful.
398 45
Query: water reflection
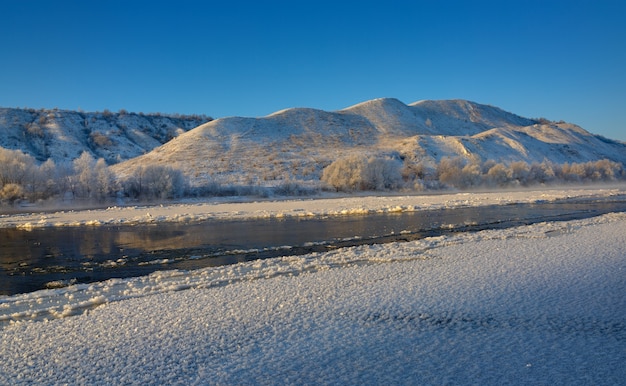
157 238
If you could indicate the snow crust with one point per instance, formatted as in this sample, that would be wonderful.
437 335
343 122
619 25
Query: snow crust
539 304
318 207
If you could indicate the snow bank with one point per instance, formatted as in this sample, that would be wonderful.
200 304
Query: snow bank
536 304
320 207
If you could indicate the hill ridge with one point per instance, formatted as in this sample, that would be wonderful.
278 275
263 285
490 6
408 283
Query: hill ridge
298 143
63 135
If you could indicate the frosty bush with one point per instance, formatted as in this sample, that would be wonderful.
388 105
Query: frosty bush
542 172
85 175
519 172
382 173
454 173
293 188
11 193
361 173
17 167
155 181
497 175
607 170
20 177
458 173
91 178
601 170
100 139
104 180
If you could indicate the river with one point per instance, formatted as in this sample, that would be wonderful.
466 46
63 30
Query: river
51 257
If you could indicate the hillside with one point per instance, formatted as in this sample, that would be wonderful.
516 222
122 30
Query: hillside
63 135
296 144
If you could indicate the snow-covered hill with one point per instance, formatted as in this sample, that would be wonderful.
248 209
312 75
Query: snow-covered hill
298 143
63 135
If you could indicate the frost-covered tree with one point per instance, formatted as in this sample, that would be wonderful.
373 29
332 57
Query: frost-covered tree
11 193
519 172
381 174
85 176
541 173
363 173
608 170
155 181
344 174
455 172
91 178
104 178
22 177
44 184
497 175
16 167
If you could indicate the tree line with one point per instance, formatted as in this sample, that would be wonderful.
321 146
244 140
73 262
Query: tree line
358 172
23 178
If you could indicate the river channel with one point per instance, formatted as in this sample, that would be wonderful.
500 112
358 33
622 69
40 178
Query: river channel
50 257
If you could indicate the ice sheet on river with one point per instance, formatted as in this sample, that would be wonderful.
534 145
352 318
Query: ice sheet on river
535 304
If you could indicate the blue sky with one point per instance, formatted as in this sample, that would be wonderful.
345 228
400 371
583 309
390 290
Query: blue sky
553 59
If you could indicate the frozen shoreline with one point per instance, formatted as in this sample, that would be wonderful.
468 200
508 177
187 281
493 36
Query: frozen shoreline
535 304
309 207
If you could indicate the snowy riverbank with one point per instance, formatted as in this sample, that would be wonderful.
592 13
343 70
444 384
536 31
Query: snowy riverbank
540 304
320 207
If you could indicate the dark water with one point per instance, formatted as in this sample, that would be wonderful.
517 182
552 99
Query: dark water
43 258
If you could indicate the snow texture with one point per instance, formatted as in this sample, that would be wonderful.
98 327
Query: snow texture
539 304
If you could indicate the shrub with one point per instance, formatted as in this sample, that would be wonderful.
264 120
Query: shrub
519 172
454 172
361 173
541 172
344 174
85 178
497 175
293 188
155 181
101 140
104 180
606 170
34 130
11 193
89 178
16 166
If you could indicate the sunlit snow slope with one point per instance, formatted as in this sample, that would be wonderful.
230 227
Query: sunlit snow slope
298 143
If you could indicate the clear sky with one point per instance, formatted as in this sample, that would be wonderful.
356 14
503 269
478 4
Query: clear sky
546 58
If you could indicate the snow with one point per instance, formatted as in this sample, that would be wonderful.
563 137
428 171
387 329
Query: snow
539 304
317 207
63 135
295 144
